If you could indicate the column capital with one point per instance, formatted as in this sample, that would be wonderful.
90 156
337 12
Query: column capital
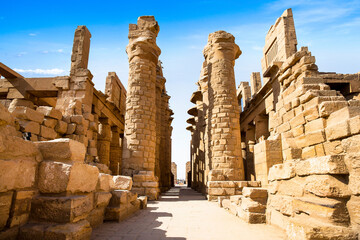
221 45
142 39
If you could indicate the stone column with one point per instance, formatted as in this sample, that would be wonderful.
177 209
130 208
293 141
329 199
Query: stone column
220 54
140 120
115 151
103 141
250 142
255 82
261 127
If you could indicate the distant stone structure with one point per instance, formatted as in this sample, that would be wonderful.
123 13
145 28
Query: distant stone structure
188 172
300 134
65 179
174 171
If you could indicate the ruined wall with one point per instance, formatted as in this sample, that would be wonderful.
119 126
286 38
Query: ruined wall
306 144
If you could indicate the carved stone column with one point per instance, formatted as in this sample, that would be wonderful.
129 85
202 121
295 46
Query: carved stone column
220 54
140 120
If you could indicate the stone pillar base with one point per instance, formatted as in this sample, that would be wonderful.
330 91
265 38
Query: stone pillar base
146 184
225 189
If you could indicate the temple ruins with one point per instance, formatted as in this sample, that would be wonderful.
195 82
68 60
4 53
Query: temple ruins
283 150
73 156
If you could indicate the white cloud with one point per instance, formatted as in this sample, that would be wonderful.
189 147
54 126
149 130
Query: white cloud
20 54
53 51
53 71
257 48
32 34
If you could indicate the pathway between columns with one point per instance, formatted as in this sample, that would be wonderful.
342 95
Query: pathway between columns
181 214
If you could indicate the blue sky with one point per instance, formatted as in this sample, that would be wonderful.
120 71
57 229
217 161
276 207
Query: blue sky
36 39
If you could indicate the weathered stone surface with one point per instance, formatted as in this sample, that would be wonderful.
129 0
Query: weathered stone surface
250 205
282 171
49 122
49 112
143 202
342 114
17 174
13 147
57 177
102 199
122 182
47 133
255 193
80 230
332 164
61 127
105 183
5 206
62 150
253 218
28 114
221 184
325 209
327 186
61 209
353 164
221 191
29 126
301 228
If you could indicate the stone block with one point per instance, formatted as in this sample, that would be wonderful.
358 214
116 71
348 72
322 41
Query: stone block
78 119
327 186
17 174
310 139
293 187
62 150
61 127
353 206
49 122
221 191
143 202
20 209
342 114
332 164
5 206
255 193
352 162
105 183
307 228
338 130
5 116
58 177
282 171
96 217
61 209
78 230
26 113
252 218
326 108
102 199
48 133
10 234
29 126
122 182
70 128
281 203
50 112
117 213
325 209
236 199
249 205
221 184
315 125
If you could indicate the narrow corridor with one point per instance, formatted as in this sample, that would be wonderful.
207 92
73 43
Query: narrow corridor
181 214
